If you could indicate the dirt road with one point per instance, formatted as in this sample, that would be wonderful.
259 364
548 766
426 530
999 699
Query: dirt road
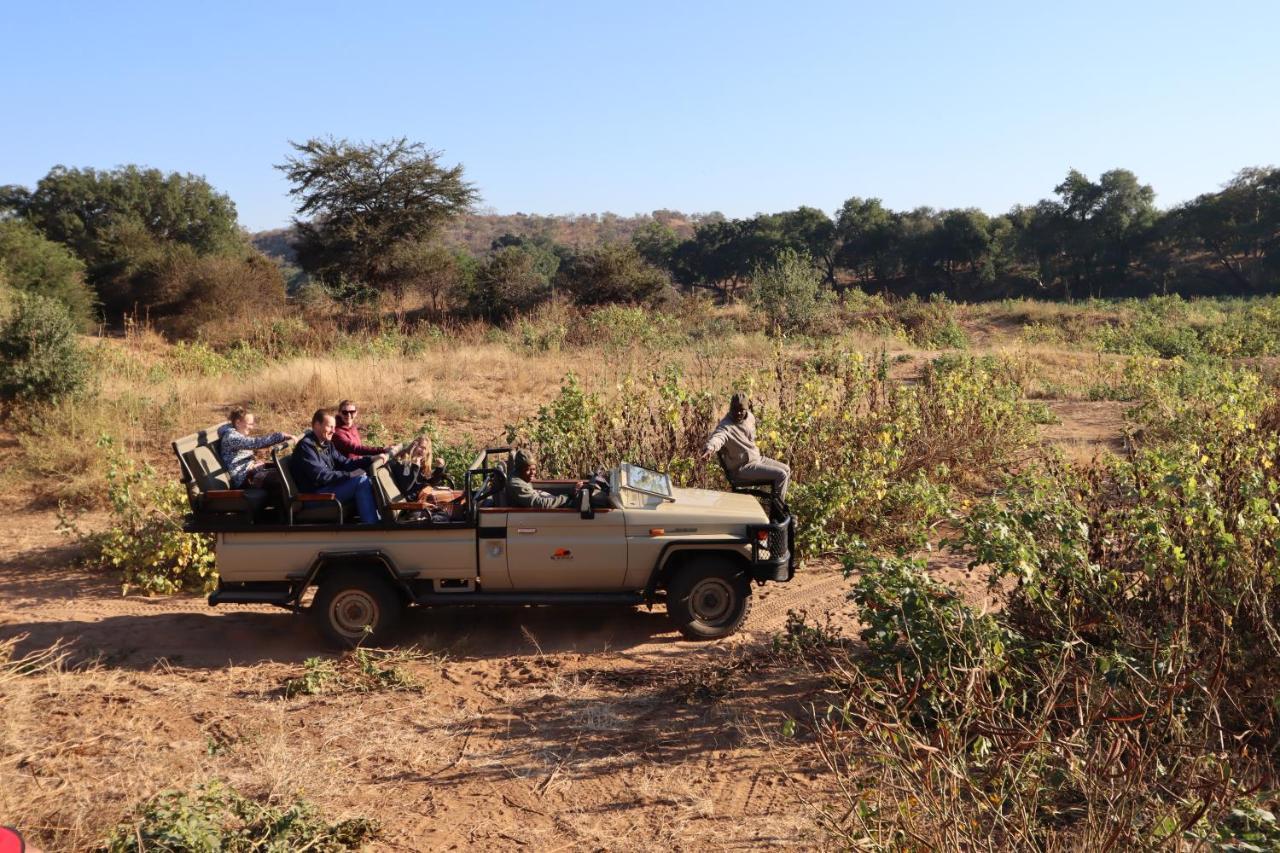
540 728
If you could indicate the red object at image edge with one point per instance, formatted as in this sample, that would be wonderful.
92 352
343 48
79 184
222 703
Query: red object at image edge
11 841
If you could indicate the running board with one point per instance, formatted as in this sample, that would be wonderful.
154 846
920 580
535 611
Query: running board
283 598
521 598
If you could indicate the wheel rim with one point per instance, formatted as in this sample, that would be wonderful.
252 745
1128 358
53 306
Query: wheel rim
712 600
351 611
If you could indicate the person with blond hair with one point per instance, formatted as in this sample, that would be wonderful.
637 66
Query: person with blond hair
237 448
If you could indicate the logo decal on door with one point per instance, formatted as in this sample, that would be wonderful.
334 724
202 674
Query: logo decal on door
562 554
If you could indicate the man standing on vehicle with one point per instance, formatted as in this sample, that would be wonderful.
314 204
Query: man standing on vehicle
318 467
735 439
520 491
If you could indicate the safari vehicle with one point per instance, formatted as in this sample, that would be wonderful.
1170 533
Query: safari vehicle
631 540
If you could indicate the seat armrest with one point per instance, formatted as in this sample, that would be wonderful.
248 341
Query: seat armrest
225 493
320 496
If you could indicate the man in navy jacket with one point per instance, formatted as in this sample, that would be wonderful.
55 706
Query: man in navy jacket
318 467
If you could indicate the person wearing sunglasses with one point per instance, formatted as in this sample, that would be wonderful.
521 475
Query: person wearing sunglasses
346 438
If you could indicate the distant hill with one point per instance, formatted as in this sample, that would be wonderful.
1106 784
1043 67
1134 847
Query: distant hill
477 231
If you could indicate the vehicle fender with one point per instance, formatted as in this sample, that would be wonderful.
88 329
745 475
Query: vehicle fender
327 562
675 553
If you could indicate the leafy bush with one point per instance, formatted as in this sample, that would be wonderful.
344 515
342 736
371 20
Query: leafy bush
358 671
33 264
1124 694
869 457
40 359
513 281
615 273
790 292
216 818
145 541
215 297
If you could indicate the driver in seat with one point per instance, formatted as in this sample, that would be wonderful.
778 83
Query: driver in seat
520 491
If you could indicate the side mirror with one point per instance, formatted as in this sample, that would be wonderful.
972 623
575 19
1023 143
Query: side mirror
585 509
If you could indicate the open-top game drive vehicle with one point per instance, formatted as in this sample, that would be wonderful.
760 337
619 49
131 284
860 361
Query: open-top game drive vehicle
632 539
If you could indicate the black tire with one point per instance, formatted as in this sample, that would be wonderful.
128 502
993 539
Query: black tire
708 598
350 600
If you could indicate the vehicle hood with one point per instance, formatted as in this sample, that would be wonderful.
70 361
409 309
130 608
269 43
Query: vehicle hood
704 504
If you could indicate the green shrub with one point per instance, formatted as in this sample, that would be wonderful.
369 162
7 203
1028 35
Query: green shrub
615 273
40 358
870 458
790 292
1124 693
358 671
145 541
32 264
216 818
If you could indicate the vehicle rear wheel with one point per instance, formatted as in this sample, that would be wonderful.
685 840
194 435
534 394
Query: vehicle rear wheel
708 598
356 608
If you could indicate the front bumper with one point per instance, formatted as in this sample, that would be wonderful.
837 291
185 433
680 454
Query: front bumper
773 554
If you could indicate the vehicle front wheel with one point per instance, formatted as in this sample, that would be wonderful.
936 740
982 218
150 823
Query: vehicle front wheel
708 598
355 608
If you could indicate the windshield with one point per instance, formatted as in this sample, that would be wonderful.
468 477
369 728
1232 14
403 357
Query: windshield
644 480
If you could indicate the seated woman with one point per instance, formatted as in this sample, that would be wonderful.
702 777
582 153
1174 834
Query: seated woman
237 449
413 476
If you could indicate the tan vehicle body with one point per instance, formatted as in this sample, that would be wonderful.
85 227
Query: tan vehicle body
618 549
630 539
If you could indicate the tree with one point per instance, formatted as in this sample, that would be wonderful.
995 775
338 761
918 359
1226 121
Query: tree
216 297
121 221
510 283
789 291
864 234
656 241
615 273
430 272
33 264
1102 226
1239 226
723 254
364 199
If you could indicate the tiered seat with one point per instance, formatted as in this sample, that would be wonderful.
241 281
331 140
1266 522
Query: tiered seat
317 508
762 489
207 481
392 502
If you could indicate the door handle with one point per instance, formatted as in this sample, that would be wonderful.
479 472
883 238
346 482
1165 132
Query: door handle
526 530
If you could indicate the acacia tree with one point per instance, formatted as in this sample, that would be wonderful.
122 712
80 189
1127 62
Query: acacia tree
356 202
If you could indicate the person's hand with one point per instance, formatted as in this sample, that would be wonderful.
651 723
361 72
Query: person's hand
288 436
359 474
437 463
381 457
704 455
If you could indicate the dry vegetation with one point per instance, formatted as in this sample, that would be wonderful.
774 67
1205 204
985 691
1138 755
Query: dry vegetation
577 729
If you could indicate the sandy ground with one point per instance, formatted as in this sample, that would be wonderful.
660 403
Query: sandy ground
533 728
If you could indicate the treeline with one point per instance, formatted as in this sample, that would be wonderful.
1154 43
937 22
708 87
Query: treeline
388 227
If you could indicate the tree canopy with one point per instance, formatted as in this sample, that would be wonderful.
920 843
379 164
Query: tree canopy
356 202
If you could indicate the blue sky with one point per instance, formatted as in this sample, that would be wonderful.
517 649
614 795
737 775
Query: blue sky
586 107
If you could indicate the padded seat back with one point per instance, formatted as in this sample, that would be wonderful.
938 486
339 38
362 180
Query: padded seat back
287 485
193 472
328 512
211 474
385 490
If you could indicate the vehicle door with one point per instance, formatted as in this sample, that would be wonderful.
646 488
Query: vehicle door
559 549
